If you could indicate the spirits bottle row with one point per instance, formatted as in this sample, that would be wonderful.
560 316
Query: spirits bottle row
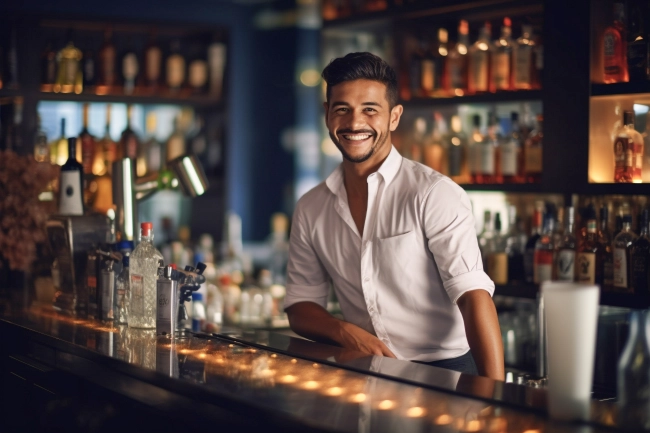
471 152
440 68
180 68
625 43
95 155
568 245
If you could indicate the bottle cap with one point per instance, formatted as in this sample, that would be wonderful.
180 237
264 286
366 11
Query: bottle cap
197 297
146 228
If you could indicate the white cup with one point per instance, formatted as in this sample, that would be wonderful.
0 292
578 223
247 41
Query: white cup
571 312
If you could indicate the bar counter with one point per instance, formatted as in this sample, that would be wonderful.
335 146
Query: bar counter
70 374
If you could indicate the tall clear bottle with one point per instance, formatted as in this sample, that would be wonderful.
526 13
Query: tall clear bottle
497 259
479 61
510 150
457 62
144 263
501 77
522 60
633 396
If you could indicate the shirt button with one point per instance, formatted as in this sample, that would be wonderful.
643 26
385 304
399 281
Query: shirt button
366 279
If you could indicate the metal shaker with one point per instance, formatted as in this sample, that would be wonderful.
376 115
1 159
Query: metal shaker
167 297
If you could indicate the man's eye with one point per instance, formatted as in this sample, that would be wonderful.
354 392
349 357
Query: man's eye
341 110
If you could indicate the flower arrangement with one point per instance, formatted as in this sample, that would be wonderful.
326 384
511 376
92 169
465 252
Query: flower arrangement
22 214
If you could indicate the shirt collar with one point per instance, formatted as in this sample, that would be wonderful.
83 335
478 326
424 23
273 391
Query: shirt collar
387 170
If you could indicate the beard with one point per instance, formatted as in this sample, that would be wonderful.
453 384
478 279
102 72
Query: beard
359 159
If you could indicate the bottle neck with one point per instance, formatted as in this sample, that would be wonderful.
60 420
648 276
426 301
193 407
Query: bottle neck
146 236
72 150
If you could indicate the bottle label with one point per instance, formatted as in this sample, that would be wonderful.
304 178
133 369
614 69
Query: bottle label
70 68
479 71
523 61
509 158
137 296
71 193
501 70
566 265
130 66
543 266
623 153
533 159
620 268
611 46
586 268
497 267
487 158
427 77
153 61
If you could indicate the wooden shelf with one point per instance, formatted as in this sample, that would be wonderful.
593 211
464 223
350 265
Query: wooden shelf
620 88
473 10
488 98
199 101
506 187
529 291
617 188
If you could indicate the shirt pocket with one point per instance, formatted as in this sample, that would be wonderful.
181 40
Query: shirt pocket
395 264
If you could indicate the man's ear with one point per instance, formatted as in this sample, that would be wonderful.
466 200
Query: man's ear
395 115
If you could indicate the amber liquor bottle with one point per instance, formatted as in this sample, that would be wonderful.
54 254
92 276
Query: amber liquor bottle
614 48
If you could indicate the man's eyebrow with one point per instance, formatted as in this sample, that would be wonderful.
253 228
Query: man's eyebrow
370 103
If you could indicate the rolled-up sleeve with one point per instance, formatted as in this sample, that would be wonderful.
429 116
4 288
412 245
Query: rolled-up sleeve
307 280
449 227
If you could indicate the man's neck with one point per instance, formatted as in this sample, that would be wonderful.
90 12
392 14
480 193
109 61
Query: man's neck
355 175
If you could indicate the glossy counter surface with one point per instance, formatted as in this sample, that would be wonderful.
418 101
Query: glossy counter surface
295 383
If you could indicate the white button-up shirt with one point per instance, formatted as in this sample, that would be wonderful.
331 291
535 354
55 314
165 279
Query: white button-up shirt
399 281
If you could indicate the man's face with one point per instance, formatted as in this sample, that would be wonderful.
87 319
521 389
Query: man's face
360 120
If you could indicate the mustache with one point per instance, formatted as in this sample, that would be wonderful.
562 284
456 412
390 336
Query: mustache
354 132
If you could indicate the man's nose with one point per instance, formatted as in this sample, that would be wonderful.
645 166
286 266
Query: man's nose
356 120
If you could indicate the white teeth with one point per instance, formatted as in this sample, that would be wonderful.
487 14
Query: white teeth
356 137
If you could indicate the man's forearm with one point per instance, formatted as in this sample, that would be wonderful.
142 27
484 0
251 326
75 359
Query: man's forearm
483 333
312 321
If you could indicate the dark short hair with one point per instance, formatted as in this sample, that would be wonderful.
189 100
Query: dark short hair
361 66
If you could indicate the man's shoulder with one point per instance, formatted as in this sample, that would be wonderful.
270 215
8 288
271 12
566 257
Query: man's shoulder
314 199
423 178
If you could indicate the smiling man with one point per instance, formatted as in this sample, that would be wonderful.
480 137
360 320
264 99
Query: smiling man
393 237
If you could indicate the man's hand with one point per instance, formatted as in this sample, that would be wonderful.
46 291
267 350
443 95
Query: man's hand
314 322
483 332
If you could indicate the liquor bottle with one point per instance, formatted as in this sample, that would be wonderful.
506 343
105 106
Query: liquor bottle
538 63
175 67
217 64
130 69
151 156
622 247
502 59
123 293
457 151
197 71
628 152
515 247
428 70
11 77
618 225
105 155
176 141
87 145
143 272
529 252
614 46
605 240
71 183
590 256
485 237
129 142
48 69
544 255
566 252
489 172
108 147
417 142
58 147
152 63
640 258
510 151
522 60
533 153
440 52
475 145
435 146
106 77
415 69
41 148
69 76
457 59
89 70
479 61
497 258
637 43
